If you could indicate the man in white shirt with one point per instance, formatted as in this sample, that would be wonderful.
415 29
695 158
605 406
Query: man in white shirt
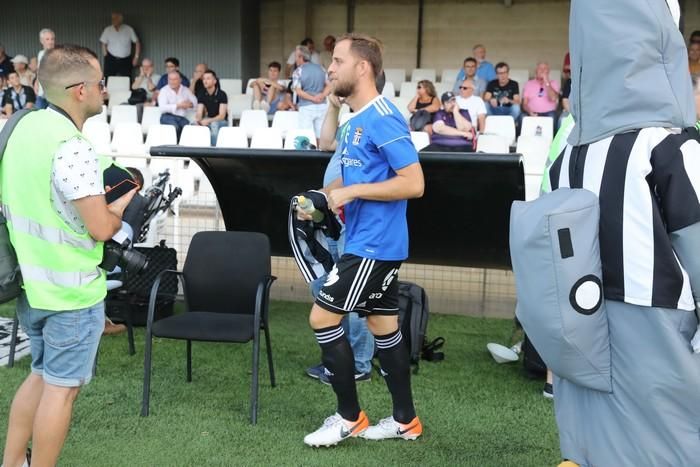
174 100
473 104
116 47
147 79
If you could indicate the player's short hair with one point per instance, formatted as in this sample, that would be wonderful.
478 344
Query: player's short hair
366 48
65 65
275 65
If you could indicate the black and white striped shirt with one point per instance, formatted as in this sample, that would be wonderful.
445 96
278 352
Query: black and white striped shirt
648 184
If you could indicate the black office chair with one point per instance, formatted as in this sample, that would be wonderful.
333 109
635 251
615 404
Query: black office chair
226 281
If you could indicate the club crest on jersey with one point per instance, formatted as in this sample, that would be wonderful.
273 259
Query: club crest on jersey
357 136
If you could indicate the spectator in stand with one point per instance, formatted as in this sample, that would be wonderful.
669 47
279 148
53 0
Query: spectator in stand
196 85
452 127
694 58
694 37
174 100
267 91
566 69
5 63
423 106
502 95
33 65
17 96
212 107
312 87
541 95
292 61
696 90
327 54
565 89
172 64
485 69
468 71
468 100
147 80
116 47
47 38
21 64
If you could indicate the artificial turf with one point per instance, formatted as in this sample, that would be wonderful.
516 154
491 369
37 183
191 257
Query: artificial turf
474 412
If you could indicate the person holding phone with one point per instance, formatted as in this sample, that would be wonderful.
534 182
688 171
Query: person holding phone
58 219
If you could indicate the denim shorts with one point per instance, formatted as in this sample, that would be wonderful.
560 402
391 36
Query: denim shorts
63 344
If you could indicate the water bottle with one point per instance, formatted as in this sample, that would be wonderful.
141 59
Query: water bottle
307 206
538 131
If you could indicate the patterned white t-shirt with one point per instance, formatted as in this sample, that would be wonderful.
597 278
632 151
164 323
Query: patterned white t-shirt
75 174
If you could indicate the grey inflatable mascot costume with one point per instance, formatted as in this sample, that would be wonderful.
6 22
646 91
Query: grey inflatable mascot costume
607 265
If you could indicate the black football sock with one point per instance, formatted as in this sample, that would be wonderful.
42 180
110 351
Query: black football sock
396 369
339 364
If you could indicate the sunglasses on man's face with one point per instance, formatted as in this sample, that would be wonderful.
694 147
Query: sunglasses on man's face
465 87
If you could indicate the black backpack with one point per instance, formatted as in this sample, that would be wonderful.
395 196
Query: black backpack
10 275
413 322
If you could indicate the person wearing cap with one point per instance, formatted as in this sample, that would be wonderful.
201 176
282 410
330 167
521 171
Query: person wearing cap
17 96
452 127
21 64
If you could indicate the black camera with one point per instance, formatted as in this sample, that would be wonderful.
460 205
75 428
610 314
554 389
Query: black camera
117 253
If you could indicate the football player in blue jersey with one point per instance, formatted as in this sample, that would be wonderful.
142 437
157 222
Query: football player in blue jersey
380 172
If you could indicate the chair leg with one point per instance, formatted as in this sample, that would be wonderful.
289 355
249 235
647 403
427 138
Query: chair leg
254 383
189 361
146 376
268 348
130 330
13 342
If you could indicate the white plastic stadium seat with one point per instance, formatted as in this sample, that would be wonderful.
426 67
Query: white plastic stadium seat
232 137
159 135
151 116
420 139
530 124
97 132
118 98
396 76
408 89
118 83
128 139
389 90
292 134
237 104
101 117
252 119
555 75
285 121
449 75
492 144
401 103
441 88
195 136
503 125
232 87
266 138
423 73
123 114
534 150
4 120
248 89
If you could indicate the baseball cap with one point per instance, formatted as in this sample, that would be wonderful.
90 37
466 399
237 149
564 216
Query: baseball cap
446 96
20 59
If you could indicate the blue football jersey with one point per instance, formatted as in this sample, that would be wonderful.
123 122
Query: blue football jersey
376 144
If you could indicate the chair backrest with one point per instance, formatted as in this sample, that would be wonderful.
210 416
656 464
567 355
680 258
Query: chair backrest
503 125
97 132
555 75
389 89
401 103
101 117
123 114
118 98
266 138
248 89
449 75
420 139
408 89
285 120
253 119
232 87
493 144
222 271
443 87
423 73
396 76
232 137
292 134
151 116
237 104
521 75
534 150
161 135
128 139
545 124
118 83
195 136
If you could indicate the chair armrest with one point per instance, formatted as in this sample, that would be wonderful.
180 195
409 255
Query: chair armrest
154 294
262 299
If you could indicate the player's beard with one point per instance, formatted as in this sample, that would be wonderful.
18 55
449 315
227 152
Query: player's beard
344 88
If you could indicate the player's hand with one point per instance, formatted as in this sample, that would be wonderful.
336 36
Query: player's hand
335 101
340 197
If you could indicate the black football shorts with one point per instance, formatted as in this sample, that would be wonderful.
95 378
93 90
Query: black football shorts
364 285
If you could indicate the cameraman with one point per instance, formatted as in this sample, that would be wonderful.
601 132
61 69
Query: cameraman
53 198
